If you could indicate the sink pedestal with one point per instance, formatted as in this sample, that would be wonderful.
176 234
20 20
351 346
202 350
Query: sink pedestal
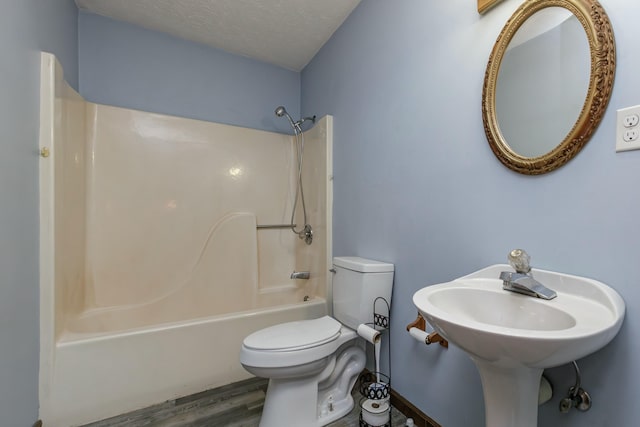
510 394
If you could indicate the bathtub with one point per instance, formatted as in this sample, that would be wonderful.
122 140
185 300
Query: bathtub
154 364
151 277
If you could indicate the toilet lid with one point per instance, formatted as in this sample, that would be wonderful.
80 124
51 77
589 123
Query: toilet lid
295 335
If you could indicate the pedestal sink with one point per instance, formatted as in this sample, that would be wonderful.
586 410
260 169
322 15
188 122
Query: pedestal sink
512 338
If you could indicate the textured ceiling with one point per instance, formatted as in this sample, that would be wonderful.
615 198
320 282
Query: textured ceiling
287 33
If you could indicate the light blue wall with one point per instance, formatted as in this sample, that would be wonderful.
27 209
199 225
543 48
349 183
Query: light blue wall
128 66
417 184
26 27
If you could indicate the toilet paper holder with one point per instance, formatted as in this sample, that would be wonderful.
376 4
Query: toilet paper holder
417 329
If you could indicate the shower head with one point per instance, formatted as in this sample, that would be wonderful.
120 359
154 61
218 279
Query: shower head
281 111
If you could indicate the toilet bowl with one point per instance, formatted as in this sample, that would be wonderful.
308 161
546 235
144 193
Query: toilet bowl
312 365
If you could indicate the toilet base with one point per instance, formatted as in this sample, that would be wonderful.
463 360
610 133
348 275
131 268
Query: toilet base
314 401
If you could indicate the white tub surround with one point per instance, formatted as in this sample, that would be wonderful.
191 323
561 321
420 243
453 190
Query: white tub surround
152 268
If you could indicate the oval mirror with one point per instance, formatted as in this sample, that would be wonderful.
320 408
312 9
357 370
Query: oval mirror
548 81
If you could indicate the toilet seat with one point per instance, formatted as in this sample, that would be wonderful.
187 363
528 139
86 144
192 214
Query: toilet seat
318 340
293 336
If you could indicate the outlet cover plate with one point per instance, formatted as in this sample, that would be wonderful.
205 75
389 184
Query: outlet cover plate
625 140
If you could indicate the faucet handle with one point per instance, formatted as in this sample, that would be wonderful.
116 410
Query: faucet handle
519 260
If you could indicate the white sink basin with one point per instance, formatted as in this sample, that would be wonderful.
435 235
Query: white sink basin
513 337
475 313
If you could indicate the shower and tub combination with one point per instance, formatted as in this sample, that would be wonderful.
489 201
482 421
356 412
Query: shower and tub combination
164 242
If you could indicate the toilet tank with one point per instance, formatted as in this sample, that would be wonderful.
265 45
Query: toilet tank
357 282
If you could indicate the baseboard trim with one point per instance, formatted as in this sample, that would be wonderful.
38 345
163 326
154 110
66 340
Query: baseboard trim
420 419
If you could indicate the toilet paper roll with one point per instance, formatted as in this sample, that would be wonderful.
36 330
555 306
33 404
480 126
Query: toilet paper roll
368 333
375 412
419 334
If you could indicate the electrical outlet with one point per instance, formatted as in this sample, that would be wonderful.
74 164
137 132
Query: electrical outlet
628 129
630 135
630 120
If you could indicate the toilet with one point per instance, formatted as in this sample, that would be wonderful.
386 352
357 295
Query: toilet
312 365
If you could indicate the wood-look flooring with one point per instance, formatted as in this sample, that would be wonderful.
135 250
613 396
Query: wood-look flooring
234 405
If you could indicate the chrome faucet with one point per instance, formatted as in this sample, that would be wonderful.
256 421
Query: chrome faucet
522 280
300 275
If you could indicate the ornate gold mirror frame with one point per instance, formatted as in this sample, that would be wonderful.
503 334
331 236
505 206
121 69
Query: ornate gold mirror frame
485 5
602 51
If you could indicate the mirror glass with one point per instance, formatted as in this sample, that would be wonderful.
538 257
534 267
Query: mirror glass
543 81
548 83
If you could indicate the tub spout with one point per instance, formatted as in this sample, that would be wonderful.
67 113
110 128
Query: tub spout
300 275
